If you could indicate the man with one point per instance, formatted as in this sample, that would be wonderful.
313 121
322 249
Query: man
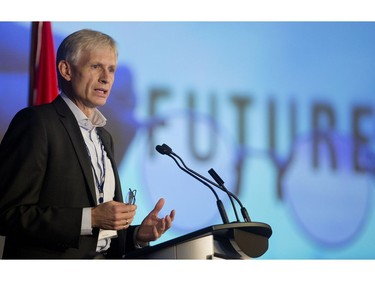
60 193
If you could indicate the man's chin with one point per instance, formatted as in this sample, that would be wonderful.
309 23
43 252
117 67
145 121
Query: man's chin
101 101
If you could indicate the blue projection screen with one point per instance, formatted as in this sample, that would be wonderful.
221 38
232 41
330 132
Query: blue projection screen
283 111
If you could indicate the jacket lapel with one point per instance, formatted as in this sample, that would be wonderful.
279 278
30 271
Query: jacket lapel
70 123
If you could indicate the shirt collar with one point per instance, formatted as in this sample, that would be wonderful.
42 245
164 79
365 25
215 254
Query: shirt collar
96 119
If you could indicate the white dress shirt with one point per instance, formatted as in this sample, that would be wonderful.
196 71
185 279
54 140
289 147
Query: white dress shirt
101 167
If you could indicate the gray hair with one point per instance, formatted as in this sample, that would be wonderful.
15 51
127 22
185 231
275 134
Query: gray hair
72 46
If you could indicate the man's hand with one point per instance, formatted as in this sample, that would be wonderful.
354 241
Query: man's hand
112 215
153 227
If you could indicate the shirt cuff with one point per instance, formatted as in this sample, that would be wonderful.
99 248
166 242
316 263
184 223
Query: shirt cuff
137 244
86 228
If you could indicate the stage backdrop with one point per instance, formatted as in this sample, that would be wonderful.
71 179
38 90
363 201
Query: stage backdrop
283 111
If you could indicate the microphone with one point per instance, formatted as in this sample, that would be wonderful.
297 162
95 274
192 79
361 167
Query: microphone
163 149
220 182
166 150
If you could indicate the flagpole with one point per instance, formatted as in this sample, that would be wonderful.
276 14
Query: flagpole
34 42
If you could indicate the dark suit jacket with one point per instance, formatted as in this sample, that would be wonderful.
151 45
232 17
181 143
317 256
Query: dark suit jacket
45 181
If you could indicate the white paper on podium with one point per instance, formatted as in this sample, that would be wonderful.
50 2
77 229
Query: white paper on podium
107 234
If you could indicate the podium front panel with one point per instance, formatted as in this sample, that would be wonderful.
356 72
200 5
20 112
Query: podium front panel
201 248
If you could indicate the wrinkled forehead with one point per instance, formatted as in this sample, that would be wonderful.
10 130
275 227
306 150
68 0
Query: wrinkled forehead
97 50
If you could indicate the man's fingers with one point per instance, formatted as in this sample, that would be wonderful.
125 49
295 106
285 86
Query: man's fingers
158 206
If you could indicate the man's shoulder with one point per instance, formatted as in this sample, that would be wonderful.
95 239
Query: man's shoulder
44 112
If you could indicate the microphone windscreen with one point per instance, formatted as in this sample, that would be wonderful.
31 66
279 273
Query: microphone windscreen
166 148
163 149
160 149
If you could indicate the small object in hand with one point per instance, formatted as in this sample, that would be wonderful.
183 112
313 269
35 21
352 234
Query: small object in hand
130 197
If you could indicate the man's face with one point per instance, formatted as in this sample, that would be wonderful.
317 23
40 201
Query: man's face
92 77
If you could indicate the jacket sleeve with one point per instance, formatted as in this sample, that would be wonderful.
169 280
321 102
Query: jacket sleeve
23 167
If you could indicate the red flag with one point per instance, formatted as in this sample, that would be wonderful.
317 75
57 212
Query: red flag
43 81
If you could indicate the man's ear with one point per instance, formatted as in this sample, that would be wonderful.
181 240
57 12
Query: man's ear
65 70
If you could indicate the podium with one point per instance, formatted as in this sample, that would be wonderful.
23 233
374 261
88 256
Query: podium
240 240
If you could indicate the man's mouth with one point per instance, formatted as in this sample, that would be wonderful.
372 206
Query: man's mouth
101 91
